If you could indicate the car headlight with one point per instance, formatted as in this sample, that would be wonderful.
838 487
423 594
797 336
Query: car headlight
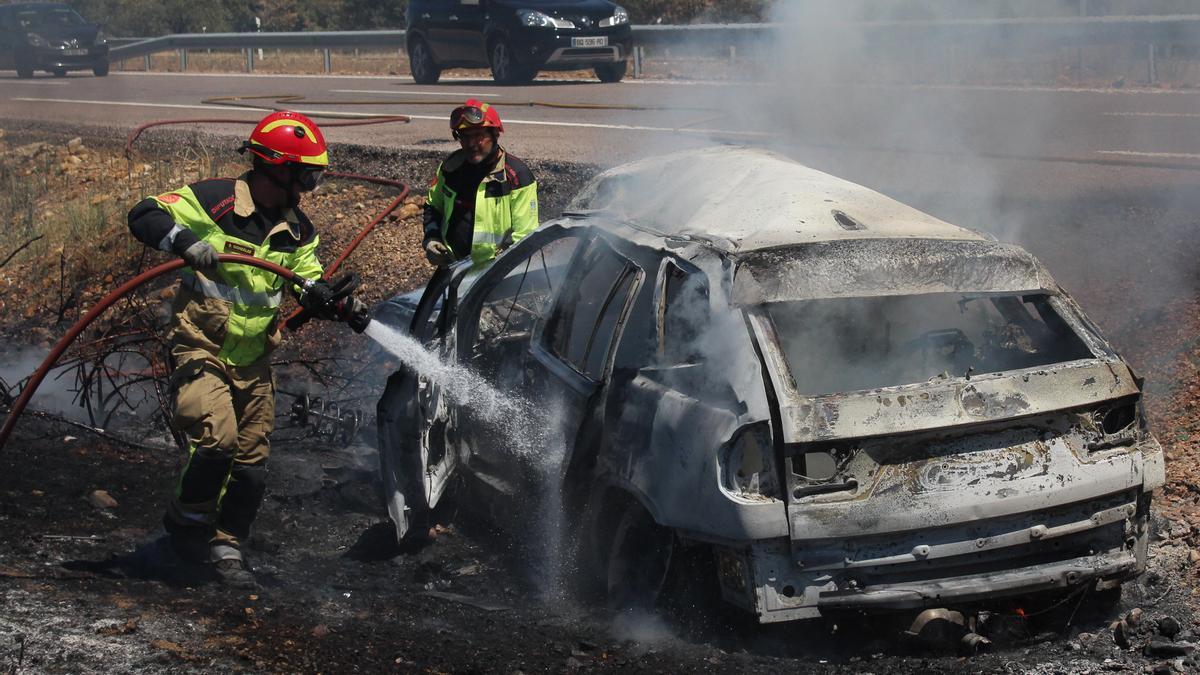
535 19
619 17
748 464
101 39
36 40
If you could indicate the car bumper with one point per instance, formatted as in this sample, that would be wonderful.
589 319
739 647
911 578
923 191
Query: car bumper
1101 542
552 49
53 59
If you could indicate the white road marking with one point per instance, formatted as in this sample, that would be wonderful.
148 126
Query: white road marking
226 108
438 118
393 92
1149 114
44 83
1155 155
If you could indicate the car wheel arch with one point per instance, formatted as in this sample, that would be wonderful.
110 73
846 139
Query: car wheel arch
632 550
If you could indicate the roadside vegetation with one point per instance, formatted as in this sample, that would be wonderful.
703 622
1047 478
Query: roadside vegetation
148 18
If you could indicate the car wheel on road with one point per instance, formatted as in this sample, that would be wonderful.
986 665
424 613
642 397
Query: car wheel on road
100 69
638 560
60 72
611 72
505 69
421 64
24 67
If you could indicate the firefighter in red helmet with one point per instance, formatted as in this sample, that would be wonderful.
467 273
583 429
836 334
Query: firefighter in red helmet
482 199
224 324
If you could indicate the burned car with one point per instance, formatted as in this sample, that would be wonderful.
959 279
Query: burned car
854 406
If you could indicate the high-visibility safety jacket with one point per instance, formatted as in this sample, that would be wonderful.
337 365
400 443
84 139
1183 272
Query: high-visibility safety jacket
506 205
232 313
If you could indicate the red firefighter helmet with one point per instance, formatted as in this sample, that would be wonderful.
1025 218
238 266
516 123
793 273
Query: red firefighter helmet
286 136
475 114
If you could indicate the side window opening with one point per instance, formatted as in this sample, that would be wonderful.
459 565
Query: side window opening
584 328
515 306
683 313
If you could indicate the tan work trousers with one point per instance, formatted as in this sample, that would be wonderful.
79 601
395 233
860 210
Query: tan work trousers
226 412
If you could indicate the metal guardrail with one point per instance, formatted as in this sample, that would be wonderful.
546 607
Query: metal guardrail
1011 33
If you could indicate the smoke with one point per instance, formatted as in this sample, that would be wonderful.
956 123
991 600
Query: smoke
1034 143
57 393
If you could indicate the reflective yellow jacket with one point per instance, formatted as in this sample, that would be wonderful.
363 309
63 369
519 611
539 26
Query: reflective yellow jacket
232 315
506 205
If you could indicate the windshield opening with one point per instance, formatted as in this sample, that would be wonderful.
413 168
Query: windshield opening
56 17
853 344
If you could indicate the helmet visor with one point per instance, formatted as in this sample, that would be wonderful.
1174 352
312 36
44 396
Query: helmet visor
309 177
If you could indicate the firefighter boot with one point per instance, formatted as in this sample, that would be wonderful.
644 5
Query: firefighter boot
231 568
239 506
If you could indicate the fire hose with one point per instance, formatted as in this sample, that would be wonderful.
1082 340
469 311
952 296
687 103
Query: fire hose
106 302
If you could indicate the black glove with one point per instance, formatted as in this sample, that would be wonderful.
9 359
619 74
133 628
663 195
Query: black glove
318 298
332 301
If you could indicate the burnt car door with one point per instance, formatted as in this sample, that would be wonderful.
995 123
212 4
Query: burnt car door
497 325
416 439
571 357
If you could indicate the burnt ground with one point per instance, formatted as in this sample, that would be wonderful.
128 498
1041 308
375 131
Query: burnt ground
88 586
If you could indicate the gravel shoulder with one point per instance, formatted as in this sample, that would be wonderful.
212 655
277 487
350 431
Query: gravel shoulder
87 586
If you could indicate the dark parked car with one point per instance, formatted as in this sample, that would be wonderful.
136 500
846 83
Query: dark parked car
517 38
847 404
51 37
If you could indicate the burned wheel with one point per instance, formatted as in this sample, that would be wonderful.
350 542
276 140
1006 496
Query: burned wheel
638 559
100 69
60 72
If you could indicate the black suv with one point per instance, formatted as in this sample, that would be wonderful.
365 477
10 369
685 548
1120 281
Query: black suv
51 37
517 38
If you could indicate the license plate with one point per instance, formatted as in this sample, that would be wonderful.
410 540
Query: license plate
74 52
601 41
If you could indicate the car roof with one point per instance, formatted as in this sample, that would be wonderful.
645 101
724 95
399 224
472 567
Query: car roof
745 199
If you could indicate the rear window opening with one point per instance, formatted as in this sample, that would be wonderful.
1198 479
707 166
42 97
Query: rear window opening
853 344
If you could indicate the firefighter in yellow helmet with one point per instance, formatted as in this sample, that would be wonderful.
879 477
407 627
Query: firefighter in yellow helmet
224 324
482 199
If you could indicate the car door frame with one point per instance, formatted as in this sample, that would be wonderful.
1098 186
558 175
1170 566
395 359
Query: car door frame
587 390
469 309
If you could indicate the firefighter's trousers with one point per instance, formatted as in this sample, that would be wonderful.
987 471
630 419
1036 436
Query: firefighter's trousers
226 412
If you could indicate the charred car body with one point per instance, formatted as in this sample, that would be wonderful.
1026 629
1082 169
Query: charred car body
854 405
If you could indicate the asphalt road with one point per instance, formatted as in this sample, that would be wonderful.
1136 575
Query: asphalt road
1091 127
1101 183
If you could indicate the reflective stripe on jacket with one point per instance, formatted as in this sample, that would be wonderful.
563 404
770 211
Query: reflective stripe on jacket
230 313
506 205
